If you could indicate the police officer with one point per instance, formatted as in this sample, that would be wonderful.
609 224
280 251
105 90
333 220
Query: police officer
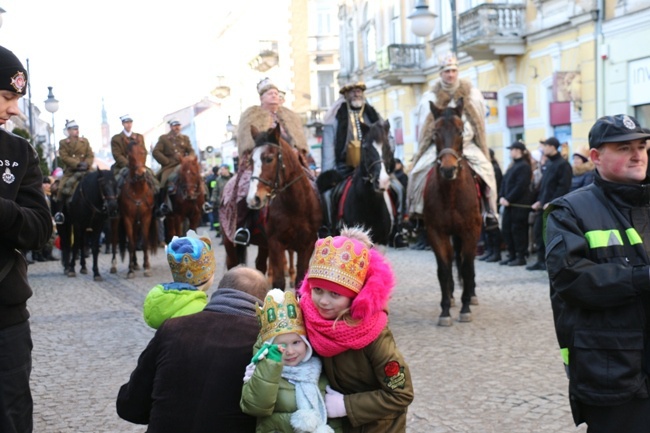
77 157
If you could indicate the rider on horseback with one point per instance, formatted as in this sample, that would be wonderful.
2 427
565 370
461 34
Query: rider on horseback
119 147
77 157
267 115
342 138
445 92
169 151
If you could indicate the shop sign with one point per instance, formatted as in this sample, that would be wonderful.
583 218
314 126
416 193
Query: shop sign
639 82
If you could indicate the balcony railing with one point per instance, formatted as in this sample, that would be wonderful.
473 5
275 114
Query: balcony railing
267 58
493 29
400 63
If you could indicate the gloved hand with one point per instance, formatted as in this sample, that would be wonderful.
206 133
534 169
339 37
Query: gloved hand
82 166
272 351
334 403
250 369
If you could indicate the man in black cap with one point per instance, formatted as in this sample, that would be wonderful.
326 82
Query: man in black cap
556 181
25 224
598 239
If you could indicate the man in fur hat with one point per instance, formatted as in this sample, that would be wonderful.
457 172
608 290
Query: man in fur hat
444 93
267 115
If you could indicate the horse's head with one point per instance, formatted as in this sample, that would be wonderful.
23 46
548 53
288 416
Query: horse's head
108 191
190 177
376 155
448 137
273 163
137 158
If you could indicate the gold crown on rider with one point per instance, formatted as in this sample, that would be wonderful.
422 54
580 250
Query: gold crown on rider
265 85
279 317
341 264
449 62
358 85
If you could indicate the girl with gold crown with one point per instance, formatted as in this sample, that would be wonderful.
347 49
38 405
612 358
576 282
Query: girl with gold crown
344 299
284 386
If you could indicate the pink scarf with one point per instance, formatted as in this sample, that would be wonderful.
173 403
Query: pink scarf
329 339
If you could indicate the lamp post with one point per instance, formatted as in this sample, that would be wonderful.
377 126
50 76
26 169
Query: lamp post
52 105
423 21
230 128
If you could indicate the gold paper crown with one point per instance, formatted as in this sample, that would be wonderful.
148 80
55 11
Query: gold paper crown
192 268
280 317
340 265
449 62
266 84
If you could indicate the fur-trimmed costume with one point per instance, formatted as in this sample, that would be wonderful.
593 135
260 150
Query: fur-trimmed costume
474 140
262 119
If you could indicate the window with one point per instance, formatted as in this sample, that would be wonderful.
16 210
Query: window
325 89
324 17
369 36
395 24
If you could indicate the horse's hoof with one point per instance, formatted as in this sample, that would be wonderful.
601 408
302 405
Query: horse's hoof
98 278
148 273
465 317
113 271
83 271
445 321
130 275
473 300
71 274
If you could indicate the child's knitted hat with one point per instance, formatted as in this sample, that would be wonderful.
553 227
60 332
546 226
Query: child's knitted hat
281 315
191 259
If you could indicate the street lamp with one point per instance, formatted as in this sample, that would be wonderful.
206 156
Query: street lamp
1 12
230 127
52 105
422 20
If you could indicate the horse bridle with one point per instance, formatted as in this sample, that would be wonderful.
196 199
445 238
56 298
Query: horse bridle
105 198
275 185
452 152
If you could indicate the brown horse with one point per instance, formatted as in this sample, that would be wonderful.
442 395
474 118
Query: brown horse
136 222
451 211
282 190
187 202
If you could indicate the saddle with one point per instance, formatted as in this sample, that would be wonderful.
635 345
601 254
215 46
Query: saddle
70 185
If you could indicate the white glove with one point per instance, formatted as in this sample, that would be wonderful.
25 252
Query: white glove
334 403
250 368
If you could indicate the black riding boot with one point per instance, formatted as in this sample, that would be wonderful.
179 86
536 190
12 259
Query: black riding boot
494 239
161 206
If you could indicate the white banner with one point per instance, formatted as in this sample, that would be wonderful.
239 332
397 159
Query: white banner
639 82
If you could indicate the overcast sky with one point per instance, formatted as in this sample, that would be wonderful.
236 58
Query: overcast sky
146 58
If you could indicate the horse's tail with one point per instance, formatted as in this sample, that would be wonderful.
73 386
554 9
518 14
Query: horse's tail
153 236
121 239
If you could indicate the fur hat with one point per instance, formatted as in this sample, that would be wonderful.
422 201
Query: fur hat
369 284
280 315
358 85
265 85
13 76
191 259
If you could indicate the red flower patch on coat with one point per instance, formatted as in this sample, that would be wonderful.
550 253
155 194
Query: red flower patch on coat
395 377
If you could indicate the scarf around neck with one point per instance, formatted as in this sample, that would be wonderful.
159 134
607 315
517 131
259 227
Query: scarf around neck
311 404
232 301
330 339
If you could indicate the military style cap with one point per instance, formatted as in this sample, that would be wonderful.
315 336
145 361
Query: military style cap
358 85
615 129
70 124
13 76
551 141
126 118
174 122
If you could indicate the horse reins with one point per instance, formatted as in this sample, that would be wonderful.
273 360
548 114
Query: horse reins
275 185
104 197
452 152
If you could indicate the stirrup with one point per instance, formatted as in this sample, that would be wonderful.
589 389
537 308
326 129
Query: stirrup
59 218
207 207
490 221
163 210
242 237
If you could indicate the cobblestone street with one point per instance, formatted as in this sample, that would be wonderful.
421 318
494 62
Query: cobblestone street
500 373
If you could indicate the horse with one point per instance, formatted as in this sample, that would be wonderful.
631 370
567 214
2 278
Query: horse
452 213
92 203
281 189
136 222
188 200
367 197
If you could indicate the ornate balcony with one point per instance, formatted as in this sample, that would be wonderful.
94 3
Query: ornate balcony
267 58
491 30
400 64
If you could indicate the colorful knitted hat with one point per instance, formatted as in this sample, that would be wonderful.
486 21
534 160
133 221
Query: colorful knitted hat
339 264
191 259
281 315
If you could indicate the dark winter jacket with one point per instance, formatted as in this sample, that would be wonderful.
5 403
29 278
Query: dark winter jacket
25 220
189 378
600 289
516 183
556 179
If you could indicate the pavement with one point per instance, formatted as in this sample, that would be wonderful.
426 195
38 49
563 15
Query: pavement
500 373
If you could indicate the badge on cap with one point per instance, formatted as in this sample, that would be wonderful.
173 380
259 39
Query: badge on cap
629 123
18 82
